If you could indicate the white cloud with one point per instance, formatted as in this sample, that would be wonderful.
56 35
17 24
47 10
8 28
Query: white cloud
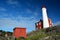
28 11
57 23
10 23
35 14
2 9
32 12
12 2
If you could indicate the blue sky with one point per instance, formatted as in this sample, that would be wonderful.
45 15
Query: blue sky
25 13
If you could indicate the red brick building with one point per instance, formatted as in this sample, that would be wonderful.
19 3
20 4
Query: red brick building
50 22
39 25
19 32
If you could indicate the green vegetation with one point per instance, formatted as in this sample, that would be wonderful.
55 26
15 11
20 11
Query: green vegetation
52 33
48 33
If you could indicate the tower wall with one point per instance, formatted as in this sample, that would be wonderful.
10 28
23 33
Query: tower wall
45 18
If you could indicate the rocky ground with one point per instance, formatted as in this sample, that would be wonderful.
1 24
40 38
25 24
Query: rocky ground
52 33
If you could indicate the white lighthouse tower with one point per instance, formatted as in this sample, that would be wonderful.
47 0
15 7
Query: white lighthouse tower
45 18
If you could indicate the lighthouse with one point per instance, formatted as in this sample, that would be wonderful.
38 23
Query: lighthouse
45 17
45 22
